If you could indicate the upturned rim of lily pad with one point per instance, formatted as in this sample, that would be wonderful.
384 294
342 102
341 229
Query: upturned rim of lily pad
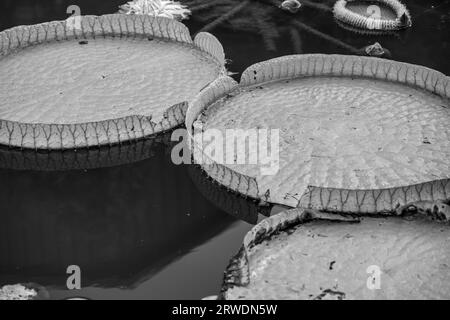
369 201
349 17
368 32
50 136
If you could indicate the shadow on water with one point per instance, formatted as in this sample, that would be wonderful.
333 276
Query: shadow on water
137 225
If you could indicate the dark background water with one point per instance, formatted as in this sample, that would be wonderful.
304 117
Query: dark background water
145 228
262 31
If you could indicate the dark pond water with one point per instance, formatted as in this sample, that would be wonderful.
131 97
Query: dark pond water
137 225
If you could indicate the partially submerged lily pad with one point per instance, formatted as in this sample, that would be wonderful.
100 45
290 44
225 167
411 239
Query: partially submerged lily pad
111 79
357 134
385 15
295 256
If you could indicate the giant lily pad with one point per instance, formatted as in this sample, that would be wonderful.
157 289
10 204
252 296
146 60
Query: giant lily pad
111 79
295 255
357 134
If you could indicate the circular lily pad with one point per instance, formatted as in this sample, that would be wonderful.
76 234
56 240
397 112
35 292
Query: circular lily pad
385 15
111 79
356 134
293 256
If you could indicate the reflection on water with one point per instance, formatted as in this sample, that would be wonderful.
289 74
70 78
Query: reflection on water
137 225
121 224
82 159
235 205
